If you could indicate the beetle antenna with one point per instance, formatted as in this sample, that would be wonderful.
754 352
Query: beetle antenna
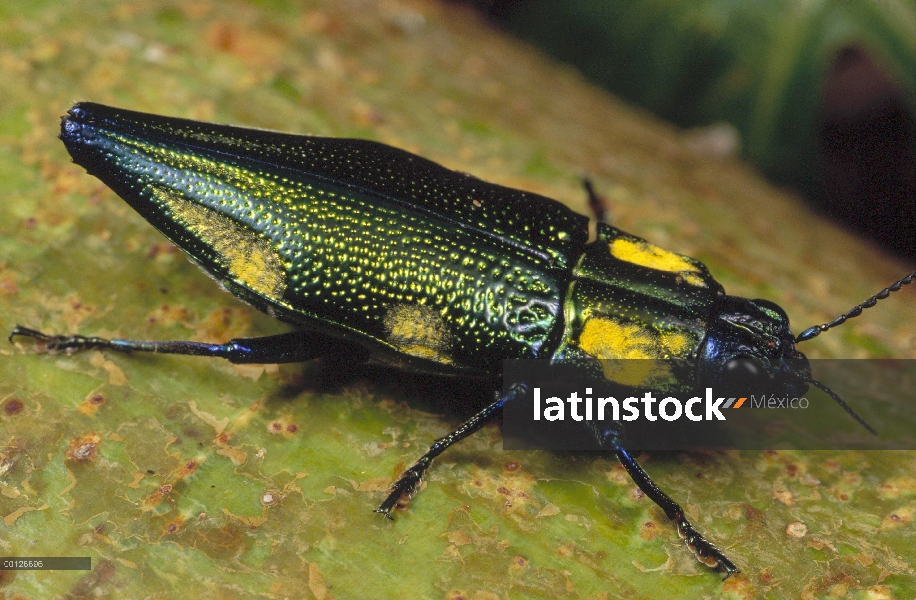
813 332
839 401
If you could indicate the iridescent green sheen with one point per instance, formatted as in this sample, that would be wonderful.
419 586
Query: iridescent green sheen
370 243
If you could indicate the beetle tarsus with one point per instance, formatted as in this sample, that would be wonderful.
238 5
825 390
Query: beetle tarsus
58 343
405 487
705 551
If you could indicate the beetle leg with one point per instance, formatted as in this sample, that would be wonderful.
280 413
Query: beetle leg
706 552
294 346
407 484
597 203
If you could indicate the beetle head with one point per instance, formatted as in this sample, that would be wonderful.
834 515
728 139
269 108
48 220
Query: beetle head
749 347
749 344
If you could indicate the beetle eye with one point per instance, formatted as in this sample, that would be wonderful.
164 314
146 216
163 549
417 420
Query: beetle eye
743 374
744 366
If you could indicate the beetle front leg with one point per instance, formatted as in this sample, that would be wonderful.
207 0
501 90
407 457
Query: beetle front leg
406 485
294 346
705 551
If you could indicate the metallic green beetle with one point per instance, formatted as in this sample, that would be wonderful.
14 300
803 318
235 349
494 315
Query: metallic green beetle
384 256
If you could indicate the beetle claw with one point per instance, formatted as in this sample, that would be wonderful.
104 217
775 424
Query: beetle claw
21 331
706 552
383 511
51 342
406 486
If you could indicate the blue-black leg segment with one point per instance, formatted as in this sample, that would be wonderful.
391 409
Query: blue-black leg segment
406 485
706 552
295 346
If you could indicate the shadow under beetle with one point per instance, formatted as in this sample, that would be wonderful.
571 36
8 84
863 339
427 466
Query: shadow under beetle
380 255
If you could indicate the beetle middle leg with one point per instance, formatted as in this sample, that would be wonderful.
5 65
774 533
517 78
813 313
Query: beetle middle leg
407 484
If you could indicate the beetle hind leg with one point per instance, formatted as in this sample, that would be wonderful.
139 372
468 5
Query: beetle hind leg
406 486
705 551
294 346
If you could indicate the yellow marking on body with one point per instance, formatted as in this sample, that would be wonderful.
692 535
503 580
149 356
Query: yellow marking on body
611 339
677 344
418 331
693 279
644 254
631 353
249 259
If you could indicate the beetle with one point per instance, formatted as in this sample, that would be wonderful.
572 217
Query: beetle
379 255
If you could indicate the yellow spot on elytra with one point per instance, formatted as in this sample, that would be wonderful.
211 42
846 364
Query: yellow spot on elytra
611 339
249 259
418 331
631 353
648 255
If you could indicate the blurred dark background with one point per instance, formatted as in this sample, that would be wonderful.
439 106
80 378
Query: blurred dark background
822 94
